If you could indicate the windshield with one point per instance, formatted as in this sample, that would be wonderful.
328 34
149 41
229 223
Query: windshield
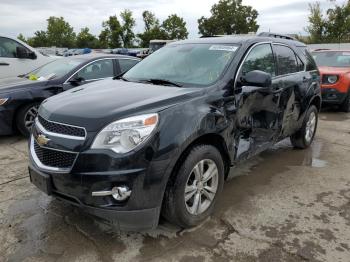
186 64
332 59
55 69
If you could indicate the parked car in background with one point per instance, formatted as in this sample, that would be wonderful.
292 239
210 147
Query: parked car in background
20 97
164 137
18 58
334 66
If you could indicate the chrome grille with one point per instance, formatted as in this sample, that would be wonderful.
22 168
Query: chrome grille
62 129
53 158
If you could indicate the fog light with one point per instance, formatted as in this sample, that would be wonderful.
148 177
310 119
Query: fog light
119 193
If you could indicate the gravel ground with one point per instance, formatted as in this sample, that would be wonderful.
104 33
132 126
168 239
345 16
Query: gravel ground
285 205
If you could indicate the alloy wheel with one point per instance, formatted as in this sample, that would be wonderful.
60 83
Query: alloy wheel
310 127
30 116
201 187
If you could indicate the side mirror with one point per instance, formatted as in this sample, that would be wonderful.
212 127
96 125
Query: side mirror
22 52
257 78
76 80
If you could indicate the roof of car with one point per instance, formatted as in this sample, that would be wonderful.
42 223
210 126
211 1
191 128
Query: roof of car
92 56
240 39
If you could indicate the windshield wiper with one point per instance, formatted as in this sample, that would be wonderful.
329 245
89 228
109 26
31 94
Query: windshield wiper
161 82
120 77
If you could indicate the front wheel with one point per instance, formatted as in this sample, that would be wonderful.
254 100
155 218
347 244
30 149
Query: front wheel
305 135
25 118
192 192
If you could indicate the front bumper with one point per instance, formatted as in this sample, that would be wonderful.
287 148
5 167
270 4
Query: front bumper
332 96
99 170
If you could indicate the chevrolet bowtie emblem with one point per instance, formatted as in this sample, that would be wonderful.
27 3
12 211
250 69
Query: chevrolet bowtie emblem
42 140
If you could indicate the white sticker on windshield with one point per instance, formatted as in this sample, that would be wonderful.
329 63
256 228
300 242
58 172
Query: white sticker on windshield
228 48
346 53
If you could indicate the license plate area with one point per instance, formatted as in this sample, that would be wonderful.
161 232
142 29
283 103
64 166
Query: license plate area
41 181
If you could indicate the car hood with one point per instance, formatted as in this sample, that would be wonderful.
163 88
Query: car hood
333 70
95 105
15 83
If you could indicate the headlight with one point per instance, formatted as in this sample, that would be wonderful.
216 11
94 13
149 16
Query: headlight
124 135
3 101
332 79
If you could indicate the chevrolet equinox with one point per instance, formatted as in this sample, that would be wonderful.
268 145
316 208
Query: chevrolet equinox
162 138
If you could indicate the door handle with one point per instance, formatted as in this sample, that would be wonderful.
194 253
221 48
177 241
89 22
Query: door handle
4 64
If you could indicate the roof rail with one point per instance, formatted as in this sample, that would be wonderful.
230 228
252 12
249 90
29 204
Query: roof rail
268 34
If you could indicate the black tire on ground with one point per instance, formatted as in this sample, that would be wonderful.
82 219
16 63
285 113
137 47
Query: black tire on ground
302 139
345 106
25 113
175 208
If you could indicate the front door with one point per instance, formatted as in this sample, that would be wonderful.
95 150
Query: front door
94 71
10 65
257 107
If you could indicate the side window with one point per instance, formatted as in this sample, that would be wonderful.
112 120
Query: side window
301 66
310 62
126 64
8 47
260 58
286 60
97 70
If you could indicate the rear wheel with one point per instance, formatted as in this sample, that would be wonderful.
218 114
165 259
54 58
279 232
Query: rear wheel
25 118
192 193
303 138
345 106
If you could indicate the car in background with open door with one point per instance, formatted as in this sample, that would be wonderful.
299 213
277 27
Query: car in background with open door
18 58
20 97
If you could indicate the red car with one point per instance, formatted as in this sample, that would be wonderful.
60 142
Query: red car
334 66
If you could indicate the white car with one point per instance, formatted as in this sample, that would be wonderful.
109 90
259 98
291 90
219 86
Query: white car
17 58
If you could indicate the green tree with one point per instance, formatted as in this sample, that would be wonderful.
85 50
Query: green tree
22 38
175 27
103 39
317 23
229 17
60 33
86 39
112 32
153 29
338 23
39 39
129 23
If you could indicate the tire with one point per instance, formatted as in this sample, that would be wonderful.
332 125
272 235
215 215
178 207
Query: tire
305 135
185 213
345 106
25 118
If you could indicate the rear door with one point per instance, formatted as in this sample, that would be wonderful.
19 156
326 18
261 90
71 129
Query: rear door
291 74
257 107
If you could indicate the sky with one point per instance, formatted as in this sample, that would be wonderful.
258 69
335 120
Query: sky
28 16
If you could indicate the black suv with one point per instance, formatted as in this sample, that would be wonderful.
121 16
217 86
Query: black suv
162 138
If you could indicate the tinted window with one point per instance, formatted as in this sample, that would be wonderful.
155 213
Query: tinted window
286 60
97 70
301 65
126 64
260 58
8 47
